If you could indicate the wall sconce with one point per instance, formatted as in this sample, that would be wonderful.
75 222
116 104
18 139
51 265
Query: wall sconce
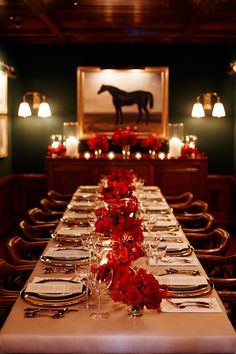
38 102
199 109
7 69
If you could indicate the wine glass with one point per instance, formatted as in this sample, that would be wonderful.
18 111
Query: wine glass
151 249
101 284
160 252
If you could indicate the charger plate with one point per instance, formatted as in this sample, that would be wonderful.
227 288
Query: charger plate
192 292
68 301
67 238
165 228
180 252
63 262
75 221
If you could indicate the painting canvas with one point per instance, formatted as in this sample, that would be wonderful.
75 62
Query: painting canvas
115 98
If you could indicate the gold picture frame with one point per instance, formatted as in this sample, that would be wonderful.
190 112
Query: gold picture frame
100 110
3 136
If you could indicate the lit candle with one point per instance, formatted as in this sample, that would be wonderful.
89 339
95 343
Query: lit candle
72 146
87 155
175 146
161 155
111 155
138 155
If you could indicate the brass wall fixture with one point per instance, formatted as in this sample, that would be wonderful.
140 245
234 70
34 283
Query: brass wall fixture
9 70
39 103
209 100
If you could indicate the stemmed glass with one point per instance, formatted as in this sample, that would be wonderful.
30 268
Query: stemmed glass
161 250
101 284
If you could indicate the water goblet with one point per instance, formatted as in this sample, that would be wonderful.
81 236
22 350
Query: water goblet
161 251
101 283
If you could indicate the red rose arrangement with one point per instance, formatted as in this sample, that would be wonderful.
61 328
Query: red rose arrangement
119 223
188 152
121 175
59 151
125 137
152 142
98 142
114 191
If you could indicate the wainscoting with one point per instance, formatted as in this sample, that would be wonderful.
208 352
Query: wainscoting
19 193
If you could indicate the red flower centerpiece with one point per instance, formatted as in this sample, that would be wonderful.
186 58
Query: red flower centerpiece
125 138
119 224
98 143
153 143
58 151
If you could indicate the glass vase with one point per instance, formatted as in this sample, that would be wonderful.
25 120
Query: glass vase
135 310
98 153
152 154
126 152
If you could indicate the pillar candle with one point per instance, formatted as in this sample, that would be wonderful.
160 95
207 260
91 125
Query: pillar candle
72 146
175 145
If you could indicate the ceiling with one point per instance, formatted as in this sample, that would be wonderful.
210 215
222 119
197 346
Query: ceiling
118 21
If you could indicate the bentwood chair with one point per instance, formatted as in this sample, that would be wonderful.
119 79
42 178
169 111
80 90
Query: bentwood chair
12 280
38 216
52 207
55 196
215 242
21 252
180 201
202 224
193 210
222 272
36 232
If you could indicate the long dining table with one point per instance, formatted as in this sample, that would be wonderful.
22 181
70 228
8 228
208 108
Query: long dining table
168 330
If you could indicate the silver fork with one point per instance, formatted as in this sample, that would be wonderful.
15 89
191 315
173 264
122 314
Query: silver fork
182 271
186 303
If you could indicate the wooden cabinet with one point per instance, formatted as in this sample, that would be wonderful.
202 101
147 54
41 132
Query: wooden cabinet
172 176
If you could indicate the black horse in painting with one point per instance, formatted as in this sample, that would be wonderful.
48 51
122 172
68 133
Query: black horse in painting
122 98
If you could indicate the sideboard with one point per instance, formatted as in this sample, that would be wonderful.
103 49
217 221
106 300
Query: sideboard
173 176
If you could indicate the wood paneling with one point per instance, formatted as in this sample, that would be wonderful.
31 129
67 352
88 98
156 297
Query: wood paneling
172 176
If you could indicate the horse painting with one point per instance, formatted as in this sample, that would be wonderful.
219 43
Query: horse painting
122 98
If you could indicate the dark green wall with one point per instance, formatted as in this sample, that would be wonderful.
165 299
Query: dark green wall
52 69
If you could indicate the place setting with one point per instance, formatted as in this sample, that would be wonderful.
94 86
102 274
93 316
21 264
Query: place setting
54 292
65 256
73 233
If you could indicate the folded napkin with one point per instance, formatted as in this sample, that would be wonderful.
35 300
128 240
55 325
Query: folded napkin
84 195
168 307
180 280
152 195
63 231
95 187
66 254
53 286
177 246
150 188
72 214
82 203
157 206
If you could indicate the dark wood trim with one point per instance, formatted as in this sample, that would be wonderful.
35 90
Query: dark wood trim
19 193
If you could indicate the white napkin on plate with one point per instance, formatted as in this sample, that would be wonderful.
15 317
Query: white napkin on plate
53 287
182 280
70 254
74 231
